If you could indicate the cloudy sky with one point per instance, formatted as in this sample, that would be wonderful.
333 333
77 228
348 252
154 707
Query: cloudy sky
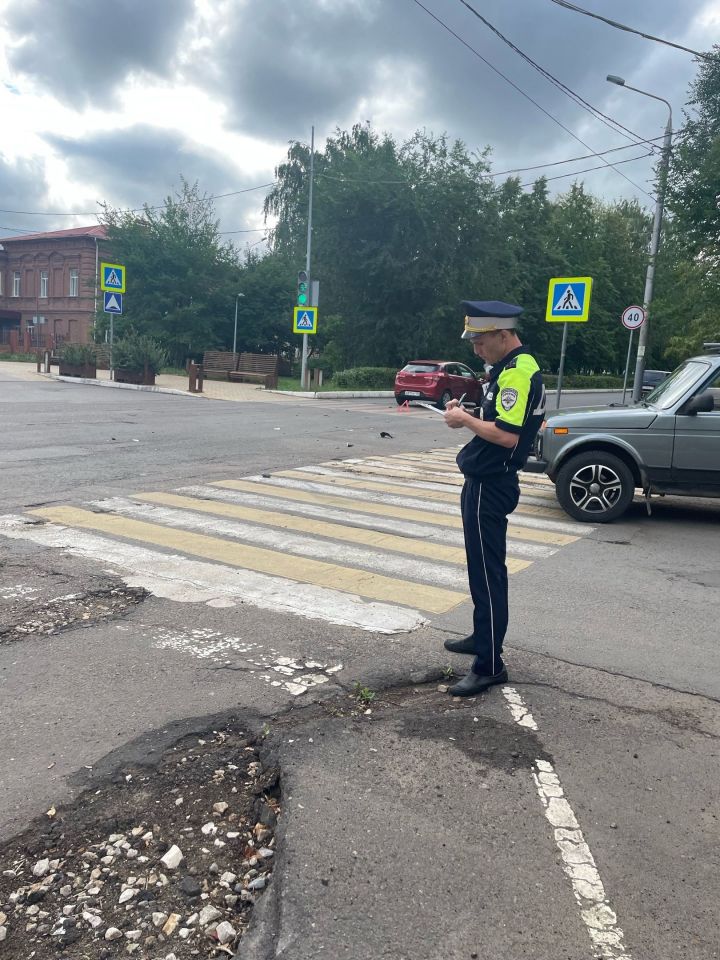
115 101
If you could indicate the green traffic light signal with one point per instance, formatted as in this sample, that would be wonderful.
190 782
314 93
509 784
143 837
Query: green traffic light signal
302 288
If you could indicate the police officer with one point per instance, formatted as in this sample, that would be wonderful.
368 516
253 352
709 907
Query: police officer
504 427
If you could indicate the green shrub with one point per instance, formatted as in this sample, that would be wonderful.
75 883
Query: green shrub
78 354
136 353
19 357
365 378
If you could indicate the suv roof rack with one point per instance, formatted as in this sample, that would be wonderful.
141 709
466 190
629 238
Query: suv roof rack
712 347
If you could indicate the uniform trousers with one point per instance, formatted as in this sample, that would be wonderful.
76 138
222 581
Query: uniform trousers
485 506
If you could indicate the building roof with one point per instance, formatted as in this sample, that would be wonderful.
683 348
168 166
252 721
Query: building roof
98 231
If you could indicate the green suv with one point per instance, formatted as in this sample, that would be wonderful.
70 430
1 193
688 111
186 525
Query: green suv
669 442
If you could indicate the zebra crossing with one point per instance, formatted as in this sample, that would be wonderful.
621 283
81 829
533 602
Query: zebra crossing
374 543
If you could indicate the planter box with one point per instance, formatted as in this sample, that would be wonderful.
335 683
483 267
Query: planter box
145 378
72 370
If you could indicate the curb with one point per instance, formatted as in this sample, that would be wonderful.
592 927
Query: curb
123 386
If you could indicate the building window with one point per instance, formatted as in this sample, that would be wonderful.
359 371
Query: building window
74 282
43 284
16 283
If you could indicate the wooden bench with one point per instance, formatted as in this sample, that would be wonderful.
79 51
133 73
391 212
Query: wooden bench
257 368
219 364
242 367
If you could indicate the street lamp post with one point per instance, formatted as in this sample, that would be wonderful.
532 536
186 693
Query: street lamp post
655 239
237 297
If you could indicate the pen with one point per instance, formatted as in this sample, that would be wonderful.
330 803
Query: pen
461 399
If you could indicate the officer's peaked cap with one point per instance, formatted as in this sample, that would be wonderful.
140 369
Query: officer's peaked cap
486 316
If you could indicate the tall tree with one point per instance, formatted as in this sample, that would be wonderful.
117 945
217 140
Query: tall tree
182 278
694 202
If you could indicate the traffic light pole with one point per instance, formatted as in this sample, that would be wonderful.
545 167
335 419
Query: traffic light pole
303 365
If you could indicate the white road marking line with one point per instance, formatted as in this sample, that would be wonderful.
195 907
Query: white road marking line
194 581
206 644
406 567
404 528
413 503
551 503
579 864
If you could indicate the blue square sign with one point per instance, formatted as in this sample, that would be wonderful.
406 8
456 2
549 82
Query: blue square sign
113 302
568 299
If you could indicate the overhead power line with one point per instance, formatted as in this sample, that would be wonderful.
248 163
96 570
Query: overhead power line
576 173
613 124
526 95
159 206
511 170
639 33
222 233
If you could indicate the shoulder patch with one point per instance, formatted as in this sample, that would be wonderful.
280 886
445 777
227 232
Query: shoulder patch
508 398
513 363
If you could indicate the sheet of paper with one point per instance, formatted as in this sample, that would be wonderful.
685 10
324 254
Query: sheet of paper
429 406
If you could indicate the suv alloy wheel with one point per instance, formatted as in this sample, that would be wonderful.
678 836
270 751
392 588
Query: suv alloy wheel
595 486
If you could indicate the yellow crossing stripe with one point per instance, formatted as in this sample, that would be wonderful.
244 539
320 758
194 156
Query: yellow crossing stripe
381 468
333 531
418 493
385 510
530 483
302 569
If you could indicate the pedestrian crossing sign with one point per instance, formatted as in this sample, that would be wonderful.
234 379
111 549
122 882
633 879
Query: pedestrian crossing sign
568 300
112 277
305 320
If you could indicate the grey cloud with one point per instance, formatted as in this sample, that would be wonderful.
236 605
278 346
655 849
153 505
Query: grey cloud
283 66
83 48
23 187
144 165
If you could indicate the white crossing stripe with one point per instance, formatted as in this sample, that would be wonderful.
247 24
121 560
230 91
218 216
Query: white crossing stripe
374 543
284 510
447 575
542 531
192 581
362 583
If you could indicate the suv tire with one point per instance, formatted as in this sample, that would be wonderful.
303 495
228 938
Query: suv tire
595 486
444 399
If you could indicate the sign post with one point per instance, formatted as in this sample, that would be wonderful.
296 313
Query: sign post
568 301
112 283
632 318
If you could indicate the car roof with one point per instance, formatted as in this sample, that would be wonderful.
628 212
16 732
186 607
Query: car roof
435 361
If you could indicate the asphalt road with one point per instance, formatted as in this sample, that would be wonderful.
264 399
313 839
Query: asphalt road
426 818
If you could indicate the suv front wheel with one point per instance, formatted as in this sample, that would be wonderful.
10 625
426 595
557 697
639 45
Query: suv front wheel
595 486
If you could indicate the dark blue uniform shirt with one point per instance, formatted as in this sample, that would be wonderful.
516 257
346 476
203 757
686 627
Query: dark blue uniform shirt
515 401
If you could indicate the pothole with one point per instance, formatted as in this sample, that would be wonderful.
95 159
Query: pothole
159 864
74 609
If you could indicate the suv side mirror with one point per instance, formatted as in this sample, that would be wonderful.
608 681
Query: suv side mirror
702 403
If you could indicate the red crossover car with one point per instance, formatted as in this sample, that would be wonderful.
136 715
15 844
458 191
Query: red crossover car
437 381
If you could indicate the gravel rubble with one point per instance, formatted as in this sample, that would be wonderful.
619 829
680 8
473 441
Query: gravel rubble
125 871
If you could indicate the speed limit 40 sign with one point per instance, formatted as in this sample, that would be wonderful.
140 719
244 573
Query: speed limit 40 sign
633 317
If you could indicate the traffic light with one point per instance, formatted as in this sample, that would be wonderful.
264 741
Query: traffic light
303 288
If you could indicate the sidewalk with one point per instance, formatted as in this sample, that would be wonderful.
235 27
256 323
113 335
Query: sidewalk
164 383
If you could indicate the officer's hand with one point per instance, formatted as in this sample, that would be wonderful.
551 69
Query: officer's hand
456 416
452 404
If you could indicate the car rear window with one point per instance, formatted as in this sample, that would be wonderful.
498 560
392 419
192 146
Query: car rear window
421 368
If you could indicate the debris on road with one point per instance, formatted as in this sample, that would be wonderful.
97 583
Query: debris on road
71 610
125 871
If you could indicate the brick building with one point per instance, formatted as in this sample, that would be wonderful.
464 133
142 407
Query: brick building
48 288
